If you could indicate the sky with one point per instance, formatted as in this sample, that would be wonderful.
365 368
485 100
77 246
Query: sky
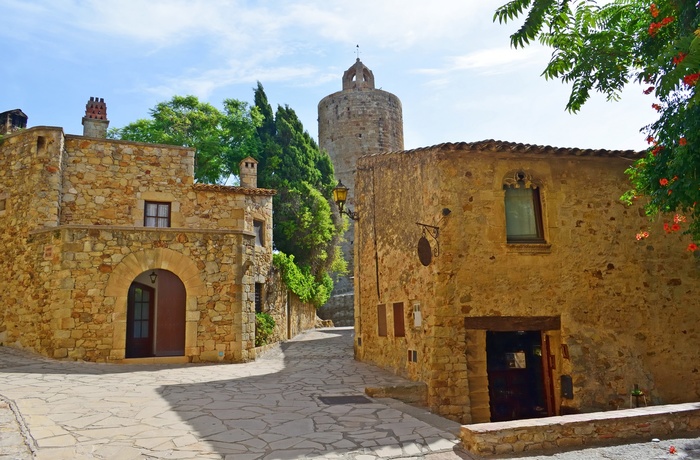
452 67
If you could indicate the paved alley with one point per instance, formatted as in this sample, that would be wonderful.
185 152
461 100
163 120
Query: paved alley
272 408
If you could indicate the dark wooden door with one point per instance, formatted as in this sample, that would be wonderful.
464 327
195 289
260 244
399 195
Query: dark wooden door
170 323
515 375
139 321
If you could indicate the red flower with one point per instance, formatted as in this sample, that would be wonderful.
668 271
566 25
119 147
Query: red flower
678 218
656 106
692 247
663 181
691 79
667 228
653 10
650 140
657 149
654 28
682 141
649 90
666 20
675 227
678 59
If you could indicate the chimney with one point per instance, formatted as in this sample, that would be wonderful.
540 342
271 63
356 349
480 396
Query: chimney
249 172
12 120
95 121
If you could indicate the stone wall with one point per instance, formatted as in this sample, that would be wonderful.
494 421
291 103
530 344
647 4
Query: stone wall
74 240
580 431
291 315
629 309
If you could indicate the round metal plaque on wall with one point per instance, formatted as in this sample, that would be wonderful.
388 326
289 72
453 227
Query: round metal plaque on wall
425 252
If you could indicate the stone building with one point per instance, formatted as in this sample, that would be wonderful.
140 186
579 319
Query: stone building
358 120
507 278
110 251
12 120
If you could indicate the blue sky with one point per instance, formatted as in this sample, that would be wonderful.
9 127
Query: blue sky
451 66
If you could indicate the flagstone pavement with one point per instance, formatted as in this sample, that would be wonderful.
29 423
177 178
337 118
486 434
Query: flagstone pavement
270 409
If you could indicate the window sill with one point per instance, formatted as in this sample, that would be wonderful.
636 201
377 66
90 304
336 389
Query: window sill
529 248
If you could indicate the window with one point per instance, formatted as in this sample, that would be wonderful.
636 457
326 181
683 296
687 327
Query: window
258 228
381 320
156 214
399 328
523 211
3 204
258 297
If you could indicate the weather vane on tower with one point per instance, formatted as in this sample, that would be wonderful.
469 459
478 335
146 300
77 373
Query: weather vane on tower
357 50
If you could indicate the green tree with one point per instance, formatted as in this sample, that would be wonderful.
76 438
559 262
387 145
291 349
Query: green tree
605 48
221 138
291 162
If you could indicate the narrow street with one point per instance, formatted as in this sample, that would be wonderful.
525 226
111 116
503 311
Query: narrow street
304 399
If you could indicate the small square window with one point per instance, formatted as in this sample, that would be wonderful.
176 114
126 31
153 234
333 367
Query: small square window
156 214
258 228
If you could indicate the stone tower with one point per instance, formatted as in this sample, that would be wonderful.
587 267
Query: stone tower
95 121
359 120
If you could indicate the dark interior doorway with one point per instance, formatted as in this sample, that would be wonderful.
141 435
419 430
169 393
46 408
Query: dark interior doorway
516 374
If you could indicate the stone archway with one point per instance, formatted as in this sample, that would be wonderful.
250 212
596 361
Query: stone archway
123 274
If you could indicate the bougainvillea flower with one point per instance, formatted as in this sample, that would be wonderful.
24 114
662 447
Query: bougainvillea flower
667 228
654 10
691 79
678 59
678 218
692 247
657 107
675 227
649 90
663 181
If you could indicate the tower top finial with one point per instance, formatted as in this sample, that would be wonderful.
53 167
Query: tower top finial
358 76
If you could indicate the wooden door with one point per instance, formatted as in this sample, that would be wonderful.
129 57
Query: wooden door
170 315
139 321
549 364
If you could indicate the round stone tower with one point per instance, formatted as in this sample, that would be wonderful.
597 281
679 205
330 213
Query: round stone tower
359 120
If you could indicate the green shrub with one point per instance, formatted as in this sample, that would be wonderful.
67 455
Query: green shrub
302 282
264 326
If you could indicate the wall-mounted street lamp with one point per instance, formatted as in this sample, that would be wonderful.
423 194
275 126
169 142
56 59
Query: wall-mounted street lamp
340 196
153 276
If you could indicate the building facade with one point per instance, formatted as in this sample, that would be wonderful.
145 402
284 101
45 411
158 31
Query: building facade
110 251
508 279
358 120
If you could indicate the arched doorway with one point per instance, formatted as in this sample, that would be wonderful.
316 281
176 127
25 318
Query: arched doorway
155 319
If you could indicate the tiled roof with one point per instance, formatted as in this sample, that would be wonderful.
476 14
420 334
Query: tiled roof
229 189
491 145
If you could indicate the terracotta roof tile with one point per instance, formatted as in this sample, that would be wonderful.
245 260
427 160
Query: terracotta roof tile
230 189
491 145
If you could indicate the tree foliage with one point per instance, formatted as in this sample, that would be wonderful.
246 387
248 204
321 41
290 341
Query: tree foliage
291 162
606 47
221 139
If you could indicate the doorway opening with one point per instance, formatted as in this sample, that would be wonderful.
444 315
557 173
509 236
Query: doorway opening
155 319
519 375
